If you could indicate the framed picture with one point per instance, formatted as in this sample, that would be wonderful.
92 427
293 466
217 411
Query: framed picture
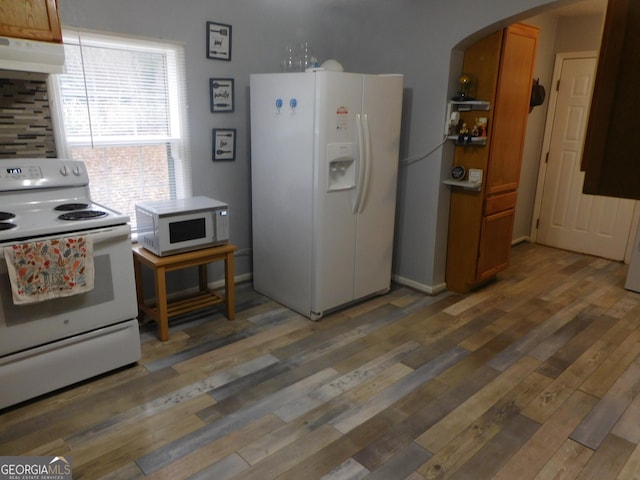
221 95
218 41
224 144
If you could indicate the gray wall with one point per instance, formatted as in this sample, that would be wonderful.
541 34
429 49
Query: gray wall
421 39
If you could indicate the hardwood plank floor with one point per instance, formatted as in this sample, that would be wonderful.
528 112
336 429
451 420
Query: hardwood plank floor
535 376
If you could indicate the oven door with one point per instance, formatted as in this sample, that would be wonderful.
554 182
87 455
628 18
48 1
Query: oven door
112 300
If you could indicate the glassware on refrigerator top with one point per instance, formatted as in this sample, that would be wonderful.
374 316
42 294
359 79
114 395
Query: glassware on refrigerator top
305 56
290 61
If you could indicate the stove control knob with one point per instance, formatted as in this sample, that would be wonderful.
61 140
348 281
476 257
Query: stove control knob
64 171
76 171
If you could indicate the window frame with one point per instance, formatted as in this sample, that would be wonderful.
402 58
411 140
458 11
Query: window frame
177 141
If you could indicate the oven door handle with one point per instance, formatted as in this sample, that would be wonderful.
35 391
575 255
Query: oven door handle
108 233
115 233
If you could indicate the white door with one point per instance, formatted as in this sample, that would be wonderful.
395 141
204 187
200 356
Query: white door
568 218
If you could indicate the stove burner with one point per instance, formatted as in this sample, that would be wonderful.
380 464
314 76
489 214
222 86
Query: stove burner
7 225
6 216
82 215
67 207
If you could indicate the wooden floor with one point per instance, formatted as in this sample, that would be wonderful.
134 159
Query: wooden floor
536 376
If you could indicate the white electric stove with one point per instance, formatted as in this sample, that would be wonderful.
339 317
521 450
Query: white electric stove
57 342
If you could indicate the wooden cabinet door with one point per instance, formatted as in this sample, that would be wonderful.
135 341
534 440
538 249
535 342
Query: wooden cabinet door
495 243
610 157
511 107
31 19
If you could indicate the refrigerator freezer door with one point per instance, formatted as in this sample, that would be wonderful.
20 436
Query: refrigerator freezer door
381 113
339 101
282 149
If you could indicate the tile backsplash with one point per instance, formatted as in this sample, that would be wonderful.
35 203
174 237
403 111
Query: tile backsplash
25 119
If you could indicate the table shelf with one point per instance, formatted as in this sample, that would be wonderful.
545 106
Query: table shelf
163 308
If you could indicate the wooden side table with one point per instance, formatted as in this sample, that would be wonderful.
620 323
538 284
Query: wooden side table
163 308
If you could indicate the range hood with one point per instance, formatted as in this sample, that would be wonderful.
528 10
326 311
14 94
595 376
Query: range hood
31 56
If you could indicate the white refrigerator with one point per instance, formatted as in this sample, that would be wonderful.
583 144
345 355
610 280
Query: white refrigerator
324 163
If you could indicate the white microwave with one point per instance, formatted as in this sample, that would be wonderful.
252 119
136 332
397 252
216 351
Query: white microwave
166 227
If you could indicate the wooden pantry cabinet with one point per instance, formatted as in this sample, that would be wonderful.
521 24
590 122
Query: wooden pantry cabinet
30 19
481 216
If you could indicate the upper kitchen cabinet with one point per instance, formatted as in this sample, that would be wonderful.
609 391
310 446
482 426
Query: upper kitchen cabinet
481 219
610 156
30 19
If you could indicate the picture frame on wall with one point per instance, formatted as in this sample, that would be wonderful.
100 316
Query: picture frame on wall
219 41
224 144
221 94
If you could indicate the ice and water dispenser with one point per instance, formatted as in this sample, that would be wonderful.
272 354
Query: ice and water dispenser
342 166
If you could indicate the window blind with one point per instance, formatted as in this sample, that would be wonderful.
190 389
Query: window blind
123 106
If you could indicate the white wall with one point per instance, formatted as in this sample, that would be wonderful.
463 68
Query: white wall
557 35
576 34
421 39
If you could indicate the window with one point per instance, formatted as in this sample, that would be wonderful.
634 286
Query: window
122 109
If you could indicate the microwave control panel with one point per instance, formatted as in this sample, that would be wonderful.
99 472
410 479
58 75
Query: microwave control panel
222 224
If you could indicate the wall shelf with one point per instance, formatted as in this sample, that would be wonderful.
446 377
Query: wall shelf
475 141
475 186
454 109
469 105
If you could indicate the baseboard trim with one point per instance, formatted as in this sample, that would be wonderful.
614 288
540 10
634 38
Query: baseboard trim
421 287
518 240
245 277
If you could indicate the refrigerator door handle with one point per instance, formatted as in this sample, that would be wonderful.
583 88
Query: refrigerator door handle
367 161
361 166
